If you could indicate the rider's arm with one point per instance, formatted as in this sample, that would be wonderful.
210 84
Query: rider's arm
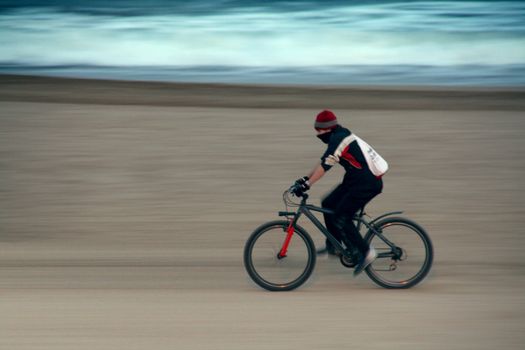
316 174
327 161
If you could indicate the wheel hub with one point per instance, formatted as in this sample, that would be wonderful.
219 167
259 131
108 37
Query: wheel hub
399 254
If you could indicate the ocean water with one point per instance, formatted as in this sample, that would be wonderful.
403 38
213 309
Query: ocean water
479 43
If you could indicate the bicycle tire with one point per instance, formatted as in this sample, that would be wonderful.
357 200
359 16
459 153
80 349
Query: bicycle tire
385 226
254 270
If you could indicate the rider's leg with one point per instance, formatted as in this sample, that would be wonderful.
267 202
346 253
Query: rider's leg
351 237
349 205
331 202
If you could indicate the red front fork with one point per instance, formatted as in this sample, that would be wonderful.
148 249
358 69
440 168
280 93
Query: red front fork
289 234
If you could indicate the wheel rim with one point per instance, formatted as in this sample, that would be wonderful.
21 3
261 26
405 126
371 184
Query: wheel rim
276 271
412 255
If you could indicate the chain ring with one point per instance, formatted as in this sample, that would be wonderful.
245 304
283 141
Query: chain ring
347 262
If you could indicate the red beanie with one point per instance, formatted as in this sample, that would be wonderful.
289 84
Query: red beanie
325 120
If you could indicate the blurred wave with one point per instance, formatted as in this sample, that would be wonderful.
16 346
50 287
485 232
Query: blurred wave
469 38
461 75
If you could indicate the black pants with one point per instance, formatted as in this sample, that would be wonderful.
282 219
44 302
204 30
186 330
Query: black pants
346 201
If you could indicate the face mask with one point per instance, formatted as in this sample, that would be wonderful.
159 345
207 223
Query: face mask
325 137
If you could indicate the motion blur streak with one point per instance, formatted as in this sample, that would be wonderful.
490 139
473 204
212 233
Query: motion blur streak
334 42
125 205
122 227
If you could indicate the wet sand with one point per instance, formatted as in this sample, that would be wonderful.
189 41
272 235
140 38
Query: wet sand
123 219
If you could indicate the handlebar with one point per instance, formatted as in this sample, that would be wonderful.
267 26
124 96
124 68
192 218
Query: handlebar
288 201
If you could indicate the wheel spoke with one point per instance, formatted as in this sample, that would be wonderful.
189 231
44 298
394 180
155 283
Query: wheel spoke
279 273
404 253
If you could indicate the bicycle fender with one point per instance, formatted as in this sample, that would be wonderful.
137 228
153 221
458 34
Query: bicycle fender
385 215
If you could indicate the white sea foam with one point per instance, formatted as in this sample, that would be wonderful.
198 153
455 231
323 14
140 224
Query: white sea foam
436 34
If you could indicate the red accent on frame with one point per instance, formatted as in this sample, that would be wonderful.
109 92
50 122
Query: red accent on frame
350 158
286 243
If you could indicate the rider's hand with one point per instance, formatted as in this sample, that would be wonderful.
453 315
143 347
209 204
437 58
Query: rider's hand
303 182
300 186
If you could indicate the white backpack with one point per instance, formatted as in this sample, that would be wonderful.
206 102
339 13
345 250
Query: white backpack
377 165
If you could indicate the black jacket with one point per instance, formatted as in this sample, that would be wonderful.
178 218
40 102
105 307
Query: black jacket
349 156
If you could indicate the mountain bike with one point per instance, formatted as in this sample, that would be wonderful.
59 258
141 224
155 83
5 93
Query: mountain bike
280 255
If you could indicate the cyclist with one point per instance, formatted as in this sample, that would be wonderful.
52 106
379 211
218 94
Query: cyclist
358 187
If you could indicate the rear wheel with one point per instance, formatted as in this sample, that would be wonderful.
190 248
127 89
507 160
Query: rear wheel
271 271
405 253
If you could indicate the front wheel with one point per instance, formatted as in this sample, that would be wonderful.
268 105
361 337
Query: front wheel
405 253
270 270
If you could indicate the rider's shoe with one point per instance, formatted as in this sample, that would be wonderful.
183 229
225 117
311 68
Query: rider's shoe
322 251
371 255
329 249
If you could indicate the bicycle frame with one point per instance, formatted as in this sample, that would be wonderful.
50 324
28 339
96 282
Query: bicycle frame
306 210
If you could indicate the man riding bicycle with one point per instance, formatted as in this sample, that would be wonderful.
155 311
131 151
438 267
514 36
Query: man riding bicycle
358 188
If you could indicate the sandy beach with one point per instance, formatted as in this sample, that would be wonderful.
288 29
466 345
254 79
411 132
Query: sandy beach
125 208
